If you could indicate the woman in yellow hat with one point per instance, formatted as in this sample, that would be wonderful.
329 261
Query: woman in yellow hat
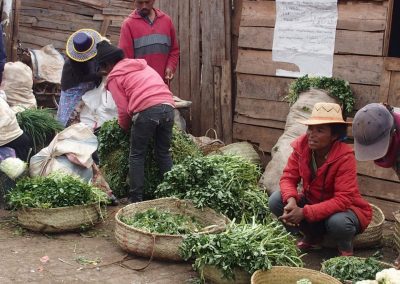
79 73
329 201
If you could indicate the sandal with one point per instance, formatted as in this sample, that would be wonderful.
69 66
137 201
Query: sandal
305 245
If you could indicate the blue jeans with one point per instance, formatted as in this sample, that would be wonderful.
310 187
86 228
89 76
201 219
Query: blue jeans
341 226
155 122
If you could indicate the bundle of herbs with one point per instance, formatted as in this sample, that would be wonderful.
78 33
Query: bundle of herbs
227 184
162 222
247 246
39 124
114 157
351 268
56 190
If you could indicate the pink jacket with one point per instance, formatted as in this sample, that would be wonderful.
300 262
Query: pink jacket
135 86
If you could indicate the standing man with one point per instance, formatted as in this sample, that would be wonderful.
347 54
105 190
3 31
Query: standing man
376 131
149 34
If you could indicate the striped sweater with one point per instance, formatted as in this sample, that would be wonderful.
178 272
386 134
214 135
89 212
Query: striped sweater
155 42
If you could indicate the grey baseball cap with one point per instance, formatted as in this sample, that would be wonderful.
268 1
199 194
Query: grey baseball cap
371 131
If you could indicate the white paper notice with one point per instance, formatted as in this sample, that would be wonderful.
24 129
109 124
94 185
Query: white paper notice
305 36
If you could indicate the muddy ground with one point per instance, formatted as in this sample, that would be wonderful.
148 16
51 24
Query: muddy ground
92 257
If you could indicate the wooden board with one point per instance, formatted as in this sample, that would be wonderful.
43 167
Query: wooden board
387 207
262 109
372 170
259 122
394 89
379 188
354 68
355 16
347 42
264 137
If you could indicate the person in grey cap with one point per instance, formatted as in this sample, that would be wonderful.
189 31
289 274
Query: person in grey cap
377 138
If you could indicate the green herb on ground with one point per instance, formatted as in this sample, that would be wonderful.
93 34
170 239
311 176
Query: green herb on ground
351 268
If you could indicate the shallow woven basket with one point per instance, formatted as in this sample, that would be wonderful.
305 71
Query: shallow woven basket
397 230
163 246
290 275
213 275
242 149
62 219
372 236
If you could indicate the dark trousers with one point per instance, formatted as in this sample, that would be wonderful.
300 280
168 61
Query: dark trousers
341 227
22 146
155 122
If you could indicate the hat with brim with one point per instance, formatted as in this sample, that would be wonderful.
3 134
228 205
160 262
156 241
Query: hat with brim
373 151
372 126
325 113
81 45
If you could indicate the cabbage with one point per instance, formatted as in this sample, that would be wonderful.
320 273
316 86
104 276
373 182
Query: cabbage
13 167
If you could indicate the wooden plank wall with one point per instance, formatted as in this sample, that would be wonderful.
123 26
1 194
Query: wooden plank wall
204 75
260 113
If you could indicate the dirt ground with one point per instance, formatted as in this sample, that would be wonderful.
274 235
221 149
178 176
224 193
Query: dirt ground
91 256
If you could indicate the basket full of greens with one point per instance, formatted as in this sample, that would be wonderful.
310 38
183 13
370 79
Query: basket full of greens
155 228
233 255
57 203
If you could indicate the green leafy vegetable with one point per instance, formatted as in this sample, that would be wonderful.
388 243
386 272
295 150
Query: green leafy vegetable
40 125
351 268
247 246
227 184
337 88
163 222
55 190
114 157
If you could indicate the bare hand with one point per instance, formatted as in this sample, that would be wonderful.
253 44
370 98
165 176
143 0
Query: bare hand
169 74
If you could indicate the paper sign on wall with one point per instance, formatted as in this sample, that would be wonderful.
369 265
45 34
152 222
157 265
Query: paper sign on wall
305 36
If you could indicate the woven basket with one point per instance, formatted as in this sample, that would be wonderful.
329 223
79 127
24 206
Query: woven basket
397 230
372 236
62 219
290 275
162 246
207 144
213 275
242 149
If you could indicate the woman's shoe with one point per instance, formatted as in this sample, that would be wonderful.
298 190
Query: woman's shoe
305 245
345 253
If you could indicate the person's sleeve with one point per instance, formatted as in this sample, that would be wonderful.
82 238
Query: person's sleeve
173 56
290 178
344 188
121 101
126 40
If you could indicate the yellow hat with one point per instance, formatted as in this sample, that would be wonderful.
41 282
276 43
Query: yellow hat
324 113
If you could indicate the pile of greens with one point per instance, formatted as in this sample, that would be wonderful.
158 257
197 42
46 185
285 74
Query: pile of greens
56 190
227 184
114 157
246 246
337 88
40 125
351 268
162 222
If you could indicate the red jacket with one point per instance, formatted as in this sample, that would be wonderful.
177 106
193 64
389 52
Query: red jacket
156 43
334 189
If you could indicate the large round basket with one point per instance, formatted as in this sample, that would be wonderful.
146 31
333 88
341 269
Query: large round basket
397 230
285 274
214 275
62 219
163 246
372 236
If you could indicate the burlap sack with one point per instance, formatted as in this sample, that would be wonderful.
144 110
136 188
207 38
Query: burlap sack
300 110
17 84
